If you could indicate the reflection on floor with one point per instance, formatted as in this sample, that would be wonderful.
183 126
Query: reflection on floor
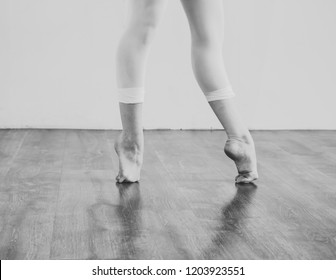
59 198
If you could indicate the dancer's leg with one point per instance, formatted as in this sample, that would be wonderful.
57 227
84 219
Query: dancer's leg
131 67
206 21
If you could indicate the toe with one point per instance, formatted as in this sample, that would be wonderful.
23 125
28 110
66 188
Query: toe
125 179
122 179
245 178
130 180
119 176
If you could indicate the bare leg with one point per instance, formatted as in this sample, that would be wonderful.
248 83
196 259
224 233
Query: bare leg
206 21
131 68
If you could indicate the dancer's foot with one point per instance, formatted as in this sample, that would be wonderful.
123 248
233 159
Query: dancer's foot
242 152
130 153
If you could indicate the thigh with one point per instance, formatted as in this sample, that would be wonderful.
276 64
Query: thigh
205 17
147 11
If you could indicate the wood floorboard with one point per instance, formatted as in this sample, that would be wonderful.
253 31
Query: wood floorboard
59 198
29 192
84 226
87 150
10 143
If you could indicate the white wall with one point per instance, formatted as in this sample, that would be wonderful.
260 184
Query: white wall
57 62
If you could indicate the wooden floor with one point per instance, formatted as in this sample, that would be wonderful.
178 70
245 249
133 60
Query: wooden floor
59 199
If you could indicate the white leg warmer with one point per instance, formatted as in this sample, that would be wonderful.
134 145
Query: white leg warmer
223 93
131 95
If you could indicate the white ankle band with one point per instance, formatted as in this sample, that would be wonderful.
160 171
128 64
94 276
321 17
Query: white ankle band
223 93
131 95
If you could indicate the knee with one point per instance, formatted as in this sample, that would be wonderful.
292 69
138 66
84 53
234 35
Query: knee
143 31
146 32
207 40
207 44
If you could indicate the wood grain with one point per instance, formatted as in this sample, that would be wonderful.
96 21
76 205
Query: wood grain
59 198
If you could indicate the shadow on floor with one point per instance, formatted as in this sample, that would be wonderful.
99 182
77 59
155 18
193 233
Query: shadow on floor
128 213
231 222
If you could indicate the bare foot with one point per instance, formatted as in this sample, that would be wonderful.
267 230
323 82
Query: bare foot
130 153
242 152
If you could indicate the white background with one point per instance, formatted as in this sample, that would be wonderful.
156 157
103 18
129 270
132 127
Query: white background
57 65
253 269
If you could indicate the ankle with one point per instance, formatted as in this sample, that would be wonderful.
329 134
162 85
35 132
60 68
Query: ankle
245 138
132 141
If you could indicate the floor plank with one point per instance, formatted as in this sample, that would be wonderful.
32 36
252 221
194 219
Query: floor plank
59 198
29 192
